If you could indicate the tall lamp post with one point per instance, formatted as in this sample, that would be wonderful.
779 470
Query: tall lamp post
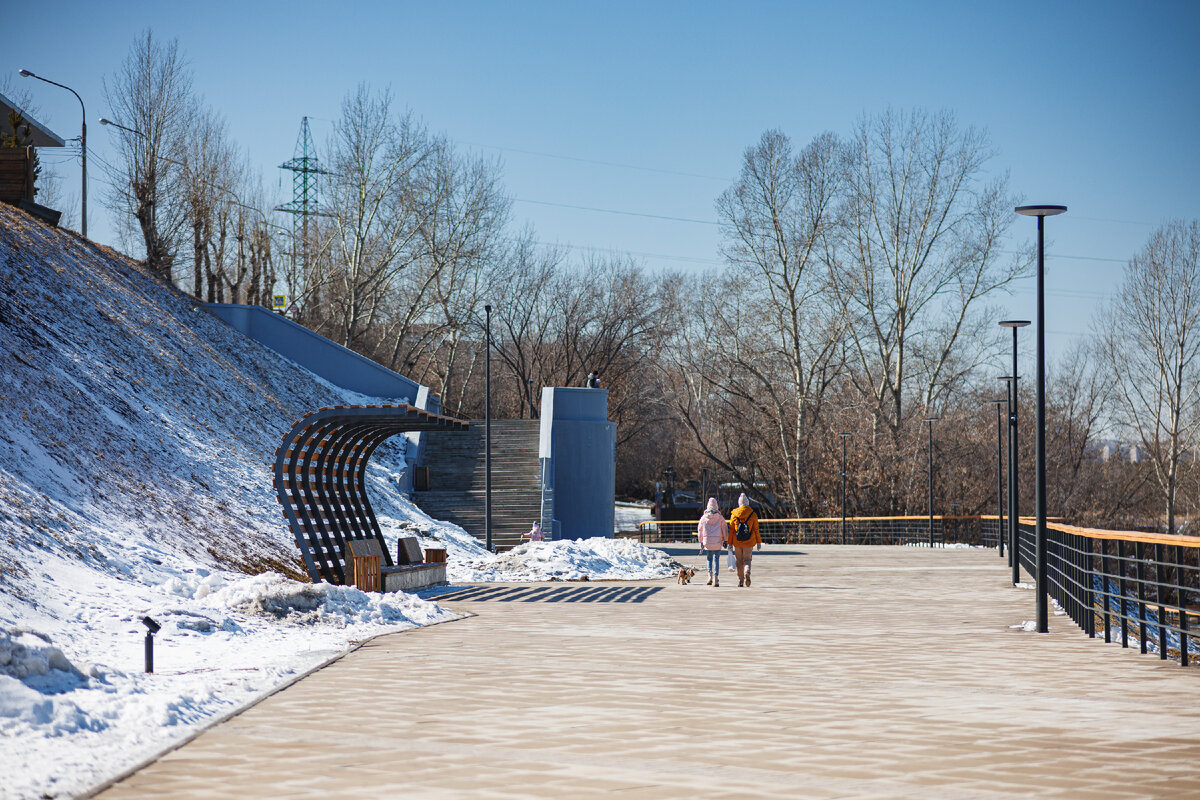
487 429
82 147
931 420
1000 404
1043 584
1014 450
844 437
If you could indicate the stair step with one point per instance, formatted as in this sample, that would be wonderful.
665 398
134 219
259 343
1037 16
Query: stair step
457 464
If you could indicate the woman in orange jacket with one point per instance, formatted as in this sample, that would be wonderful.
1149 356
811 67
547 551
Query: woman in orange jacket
744 522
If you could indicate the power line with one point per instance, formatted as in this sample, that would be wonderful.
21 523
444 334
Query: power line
597 162
615 211
595 249
1115 221
1050 256
714 222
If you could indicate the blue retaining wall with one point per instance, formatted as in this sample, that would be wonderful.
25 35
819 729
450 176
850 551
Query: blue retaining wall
339 365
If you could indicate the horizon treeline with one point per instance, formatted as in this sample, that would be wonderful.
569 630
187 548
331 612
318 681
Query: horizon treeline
858 298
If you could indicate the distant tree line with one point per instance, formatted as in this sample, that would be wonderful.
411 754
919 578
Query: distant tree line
859 295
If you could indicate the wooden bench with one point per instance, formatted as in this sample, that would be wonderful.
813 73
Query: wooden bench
363 559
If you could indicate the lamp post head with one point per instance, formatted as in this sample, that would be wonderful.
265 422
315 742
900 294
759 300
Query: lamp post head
1007 378
106 121
24 73
1040 211
931 419
845 435
1014 323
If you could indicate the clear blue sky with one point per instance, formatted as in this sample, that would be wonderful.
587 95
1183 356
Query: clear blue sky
1094 105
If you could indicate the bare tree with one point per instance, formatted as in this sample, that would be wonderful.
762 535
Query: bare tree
921 248
776 219
376 209
461 211
151 94
209 175
1151 341
526 320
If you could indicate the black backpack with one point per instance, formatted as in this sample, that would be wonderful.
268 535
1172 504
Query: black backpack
742 531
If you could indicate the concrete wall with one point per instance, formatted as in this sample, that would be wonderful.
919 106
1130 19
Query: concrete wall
336 364
339 365
579 446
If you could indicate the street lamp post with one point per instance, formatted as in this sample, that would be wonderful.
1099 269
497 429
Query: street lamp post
1014 450
1043 585
844 437
82 147
1000 404
931 420
487 429
1014 533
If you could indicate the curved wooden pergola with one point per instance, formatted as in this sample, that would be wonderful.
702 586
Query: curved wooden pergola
320 478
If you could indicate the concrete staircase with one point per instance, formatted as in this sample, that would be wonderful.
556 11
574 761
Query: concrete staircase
456 479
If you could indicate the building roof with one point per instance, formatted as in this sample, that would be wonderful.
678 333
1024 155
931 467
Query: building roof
42 136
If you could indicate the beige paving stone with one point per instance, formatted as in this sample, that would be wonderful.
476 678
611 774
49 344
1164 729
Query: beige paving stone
855 672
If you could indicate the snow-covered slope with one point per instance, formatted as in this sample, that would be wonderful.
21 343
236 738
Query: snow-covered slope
136 439
137 435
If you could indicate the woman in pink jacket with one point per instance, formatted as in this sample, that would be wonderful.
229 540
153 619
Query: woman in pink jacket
713 533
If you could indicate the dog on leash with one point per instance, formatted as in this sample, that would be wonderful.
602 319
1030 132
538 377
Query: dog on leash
685 575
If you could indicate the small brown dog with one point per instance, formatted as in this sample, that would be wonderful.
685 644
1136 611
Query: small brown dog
685 575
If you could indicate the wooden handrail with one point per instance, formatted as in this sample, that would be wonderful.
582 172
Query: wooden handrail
1177 540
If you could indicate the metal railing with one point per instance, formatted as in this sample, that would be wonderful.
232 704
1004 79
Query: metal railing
979 531
1134 586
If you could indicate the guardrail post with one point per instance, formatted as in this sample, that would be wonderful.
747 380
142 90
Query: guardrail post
1080 589
1105 571
1090 593
1124 602
1074 589
1181 598
1139 555
1159 579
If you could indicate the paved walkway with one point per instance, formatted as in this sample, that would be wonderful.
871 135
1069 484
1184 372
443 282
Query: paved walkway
844 672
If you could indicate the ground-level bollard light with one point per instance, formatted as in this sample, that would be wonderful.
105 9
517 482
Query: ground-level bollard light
152 628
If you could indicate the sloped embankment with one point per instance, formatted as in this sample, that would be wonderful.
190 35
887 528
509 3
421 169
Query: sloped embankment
135 428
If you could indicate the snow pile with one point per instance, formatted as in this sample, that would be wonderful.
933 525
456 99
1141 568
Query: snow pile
31 673
468 561
275 597
27 655
566 560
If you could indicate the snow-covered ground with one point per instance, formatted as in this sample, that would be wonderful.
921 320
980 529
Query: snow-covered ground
137 435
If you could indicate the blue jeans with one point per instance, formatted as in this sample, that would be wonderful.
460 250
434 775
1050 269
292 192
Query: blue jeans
714 561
